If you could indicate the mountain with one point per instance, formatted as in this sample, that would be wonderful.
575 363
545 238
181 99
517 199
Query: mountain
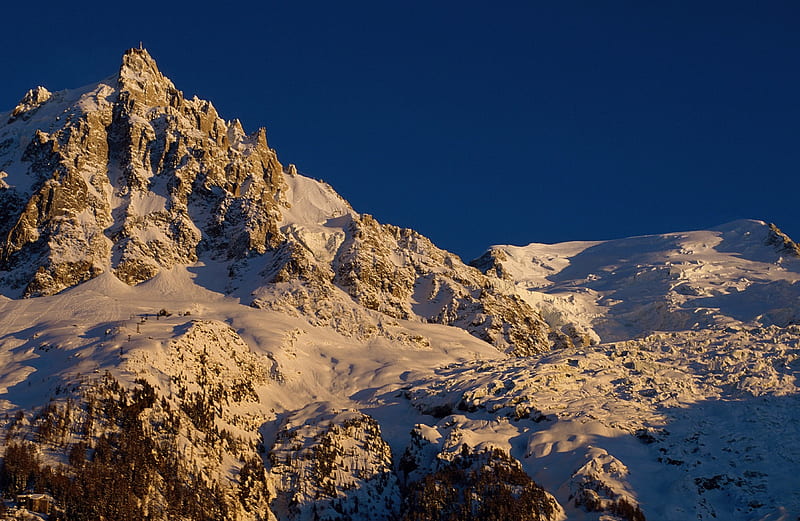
129 177
212 335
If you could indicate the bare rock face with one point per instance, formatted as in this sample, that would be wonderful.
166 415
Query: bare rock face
491 263
131 177
402 274
369 268
782 242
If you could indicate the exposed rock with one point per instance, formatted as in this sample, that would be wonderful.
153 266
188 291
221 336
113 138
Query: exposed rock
444 478
137 176
477 486
491 263
782 242
401 273
30 102
371 268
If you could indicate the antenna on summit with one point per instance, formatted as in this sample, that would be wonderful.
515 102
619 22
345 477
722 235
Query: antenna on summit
140 45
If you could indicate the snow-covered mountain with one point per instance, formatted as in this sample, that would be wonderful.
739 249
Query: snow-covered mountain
744 272
213 335
128 177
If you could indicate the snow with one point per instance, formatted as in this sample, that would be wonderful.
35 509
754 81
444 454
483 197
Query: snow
713 413
628 287
706 397
313 202
325 361
144 203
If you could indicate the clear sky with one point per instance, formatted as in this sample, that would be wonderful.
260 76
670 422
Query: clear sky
472 123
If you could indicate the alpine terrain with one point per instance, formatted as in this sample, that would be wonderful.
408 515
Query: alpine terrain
190 330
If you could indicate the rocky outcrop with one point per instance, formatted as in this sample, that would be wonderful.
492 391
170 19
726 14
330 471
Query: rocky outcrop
372 267
401 273
491 263
782 242
445 478
30 102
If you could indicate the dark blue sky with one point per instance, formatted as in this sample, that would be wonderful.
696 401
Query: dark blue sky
477 125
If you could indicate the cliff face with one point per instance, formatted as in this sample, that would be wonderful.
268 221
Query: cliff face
130 177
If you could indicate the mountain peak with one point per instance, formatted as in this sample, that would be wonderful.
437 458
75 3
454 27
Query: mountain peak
139 62
30 101
140 77
131 182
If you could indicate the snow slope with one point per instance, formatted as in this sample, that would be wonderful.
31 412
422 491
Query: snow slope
696 424
186 341
738 273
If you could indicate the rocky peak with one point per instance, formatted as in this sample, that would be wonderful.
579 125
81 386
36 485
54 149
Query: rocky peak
29 102
141 81
491 263
137 63
135 179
